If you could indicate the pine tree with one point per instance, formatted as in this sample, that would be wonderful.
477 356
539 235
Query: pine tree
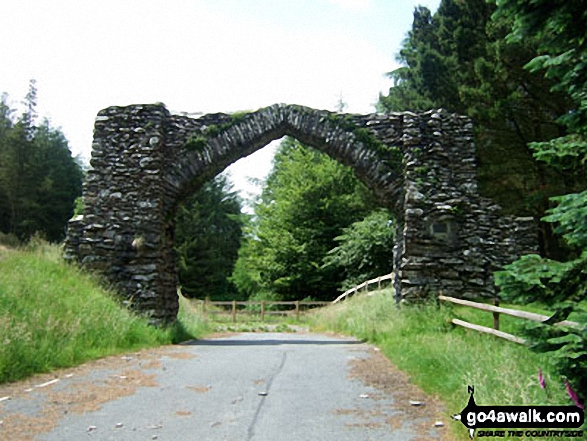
207 238
39 180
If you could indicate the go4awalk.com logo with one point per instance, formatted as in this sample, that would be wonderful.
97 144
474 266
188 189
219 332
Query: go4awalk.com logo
521 421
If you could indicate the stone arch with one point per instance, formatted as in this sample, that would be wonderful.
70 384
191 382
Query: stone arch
421 166
202 152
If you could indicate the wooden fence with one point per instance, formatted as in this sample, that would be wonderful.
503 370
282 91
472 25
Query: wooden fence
365 286
496 310
293 308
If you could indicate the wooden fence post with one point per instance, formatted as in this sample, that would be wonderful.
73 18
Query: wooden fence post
496 315
263 310
297 309
234 311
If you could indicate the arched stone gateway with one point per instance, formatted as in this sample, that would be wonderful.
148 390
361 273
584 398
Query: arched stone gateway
421 166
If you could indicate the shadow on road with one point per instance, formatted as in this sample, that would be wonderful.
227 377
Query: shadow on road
267 342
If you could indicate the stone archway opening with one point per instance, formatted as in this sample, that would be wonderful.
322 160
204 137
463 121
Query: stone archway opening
311 241
421 166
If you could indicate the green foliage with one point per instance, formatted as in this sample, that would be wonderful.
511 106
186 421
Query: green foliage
39 180
307 201
214 130
364 249
571 216
561 286
246 275
79 206
567 155
238 117
207 239
559 26
526 279
487 60
196 143
459 59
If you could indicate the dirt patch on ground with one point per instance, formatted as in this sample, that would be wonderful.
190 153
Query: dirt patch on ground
181 355
199 389
411 407
74 391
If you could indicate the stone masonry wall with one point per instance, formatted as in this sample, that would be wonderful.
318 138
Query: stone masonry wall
421 166
453 239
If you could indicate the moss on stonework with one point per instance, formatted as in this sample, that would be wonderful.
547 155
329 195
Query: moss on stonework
422 170
371 142
389 154
196 143
239 117
214 130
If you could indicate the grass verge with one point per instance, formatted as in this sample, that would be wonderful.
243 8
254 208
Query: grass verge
54 315
443 359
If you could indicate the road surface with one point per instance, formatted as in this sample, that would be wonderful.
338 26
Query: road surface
248 386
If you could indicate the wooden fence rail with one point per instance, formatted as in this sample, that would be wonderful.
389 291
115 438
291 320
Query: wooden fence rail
496 310
365 285
264 307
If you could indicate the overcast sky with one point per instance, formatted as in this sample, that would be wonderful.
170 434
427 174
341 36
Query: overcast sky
198 56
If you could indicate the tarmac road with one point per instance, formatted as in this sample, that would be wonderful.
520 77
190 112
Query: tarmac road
248 386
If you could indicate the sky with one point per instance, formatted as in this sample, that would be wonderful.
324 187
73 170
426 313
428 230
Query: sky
199 56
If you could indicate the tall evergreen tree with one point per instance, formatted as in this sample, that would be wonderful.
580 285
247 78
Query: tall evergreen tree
459 59
559 27
39 179
207 238
6 125
59 184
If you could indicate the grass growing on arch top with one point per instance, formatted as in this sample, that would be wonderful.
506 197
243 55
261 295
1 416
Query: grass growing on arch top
54 315
443 359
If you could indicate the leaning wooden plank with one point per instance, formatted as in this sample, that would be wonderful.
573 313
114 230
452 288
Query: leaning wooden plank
513 312
479 328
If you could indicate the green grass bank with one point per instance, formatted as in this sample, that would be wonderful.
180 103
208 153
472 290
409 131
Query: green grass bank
443 359
54 315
